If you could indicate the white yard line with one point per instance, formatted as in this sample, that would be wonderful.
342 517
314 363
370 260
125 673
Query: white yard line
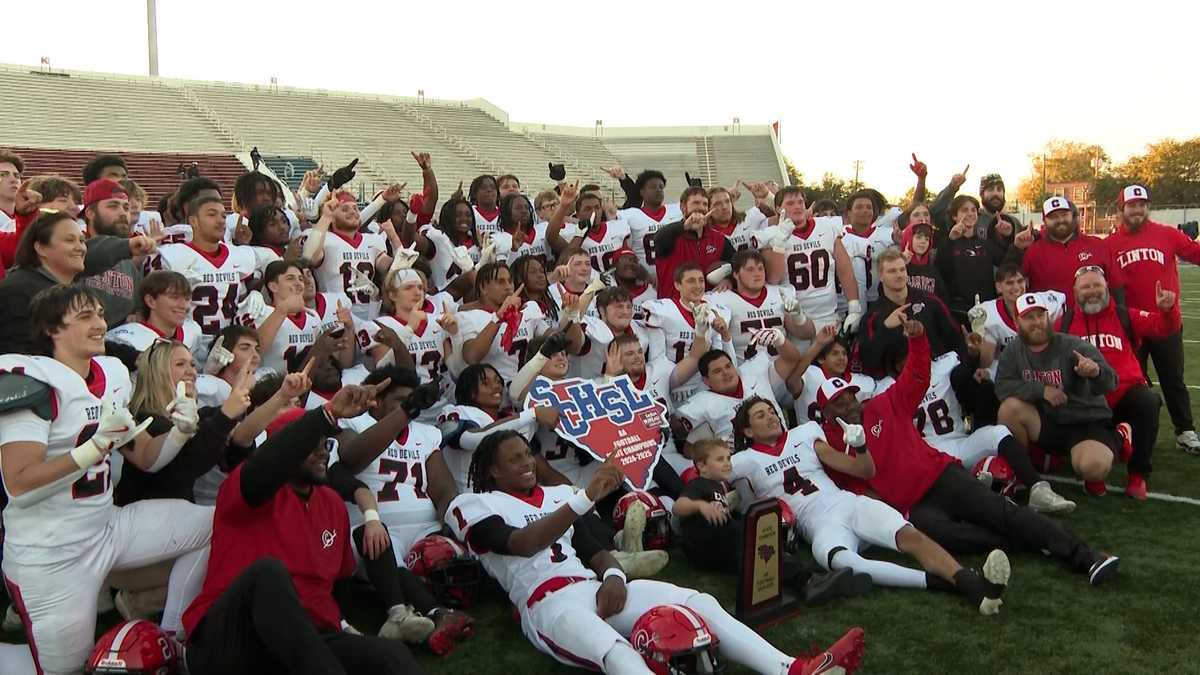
1189 386
1120 491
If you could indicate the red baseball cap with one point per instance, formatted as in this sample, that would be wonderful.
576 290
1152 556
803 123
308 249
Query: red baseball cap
832 388
284 418
624 250
101 189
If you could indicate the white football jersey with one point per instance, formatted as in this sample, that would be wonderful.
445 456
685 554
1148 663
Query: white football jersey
427 344
605 238
1001 326
810 268
39 533
443 266
344 254
506 361
806 404
534 245
678 329
939 416
740 234
643 225
263 256
791 471
520 575
598 336
141 335
486 222
556 291
458 460
223 276
297 333
864 251
399 479
326 305
707 408
179 233
748 315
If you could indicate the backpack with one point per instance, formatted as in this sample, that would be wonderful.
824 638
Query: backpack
1122 316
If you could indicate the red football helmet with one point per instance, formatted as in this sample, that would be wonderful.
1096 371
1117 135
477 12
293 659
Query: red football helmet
791 538
658 520
675 640
134 648
450 569
1004 480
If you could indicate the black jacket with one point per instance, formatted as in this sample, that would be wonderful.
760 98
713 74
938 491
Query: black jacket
880 347
967 265
201 453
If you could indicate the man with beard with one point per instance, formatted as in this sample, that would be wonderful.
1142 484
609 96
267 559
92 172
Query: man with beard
1049 262
282 539
1147 254
991 196
106 211
1052 387
690 240
1117 331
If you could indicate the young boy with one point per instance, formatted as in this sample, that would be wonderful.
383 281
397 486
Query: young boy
712 529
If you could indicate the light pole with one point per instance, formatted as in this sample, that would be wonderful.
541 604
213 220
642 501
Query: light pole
152 36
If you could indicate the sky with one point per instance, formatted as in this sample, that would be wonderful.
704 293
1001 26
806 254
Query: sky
959 83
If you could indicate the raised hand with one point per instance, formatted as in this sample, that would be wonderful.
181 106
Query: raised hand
827 334
353 400
218 357
241 231
27 200
612 360
447 319
295 384
513 301
343 175
311 183
1024 238
394 193
116 426
853 434
606 479
569 192
958 179
1163 298
422 159
239 396
918 167
616 171
184 413
898 316
140 245
1085 367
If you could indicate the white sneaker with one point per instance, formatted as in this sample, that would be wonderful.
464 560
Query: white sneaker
12 621
642 564
404 624
635 528
1189 442
1045 500
996 570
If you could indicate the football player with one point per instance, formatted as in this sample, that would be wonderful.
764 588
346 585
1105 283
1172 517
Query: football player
162 306
344 259
645 220
827 357
582 613
753 305
597 237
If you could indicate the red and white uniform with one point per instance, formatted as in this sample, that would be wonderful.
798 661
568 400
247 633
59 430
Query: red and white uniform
223 277
1149 256
707 411
58 551
678 326
806 406
641 295
179 233
297 332
748 315
1001 326
534 245
442 265
643 225
939 418
487 221
344 254
399 479
325 305
656 382
553 591
827 516
141 335
557 290
263 256
506 362
810 268
458 460
591 362
599 244
740 234
864 251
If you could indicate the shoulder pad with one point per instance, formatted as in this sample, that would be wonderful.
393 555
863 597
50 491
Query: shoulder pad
22 392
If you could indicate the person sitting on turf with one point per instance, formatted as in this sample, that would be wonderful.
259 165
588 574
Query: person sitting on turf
570 593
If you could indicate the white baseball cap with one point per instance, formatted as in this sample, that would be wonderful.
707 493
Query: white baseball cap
1055 204
1133 193
832 388
1030 301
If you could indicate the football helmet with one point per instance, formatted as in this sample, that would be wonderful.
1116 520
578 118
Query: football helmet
134 648
675 640
996 473
451 570
657 535
791 537
1045 462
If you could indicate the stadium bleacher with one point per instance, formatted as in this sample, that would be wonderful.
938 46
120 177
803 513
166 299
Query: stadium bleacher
302 128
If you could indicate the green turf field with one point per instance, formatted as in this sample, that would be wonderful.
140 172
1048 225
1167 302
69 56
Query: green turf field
1052 621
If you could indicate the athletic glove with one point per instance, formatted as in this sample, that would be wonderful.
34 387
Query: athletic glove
422 398
343 175
854 314
853 434
114 429
183 411
218 357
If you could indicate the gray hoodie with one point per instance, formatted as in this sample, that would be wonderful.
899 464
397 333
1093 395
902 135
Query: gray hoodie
1024 374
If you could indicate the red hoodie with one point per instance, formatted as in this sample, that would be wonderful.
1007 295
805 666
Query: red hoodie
1148 256
1104 330
905 465
1051 266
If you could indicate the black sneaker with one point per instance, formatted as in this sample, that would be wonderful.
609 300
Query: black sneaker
827 586
1103 569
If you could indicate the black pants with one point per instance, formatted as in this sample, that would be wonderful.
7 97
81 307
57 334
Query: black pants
258 626
1139 406
1168 366
396 585
965 516
717 548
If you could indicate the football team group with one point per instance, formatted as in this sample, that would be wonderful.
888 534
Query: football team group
224 424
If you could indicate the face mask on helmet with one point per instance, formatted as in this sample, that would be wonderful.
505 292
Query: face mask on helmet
452 572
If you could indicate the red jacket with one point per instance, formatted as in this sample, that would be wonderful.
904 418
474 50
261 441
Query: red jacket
1104 330
1049 265
905 465
9 240
1148 256
673 247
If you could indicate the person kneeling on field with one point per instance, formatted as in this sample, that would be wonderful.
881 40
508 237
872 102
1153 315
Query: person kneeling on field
583 614
1052 388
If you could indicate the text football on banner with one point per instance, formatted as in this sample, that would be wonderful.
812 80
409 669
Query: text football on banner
607 418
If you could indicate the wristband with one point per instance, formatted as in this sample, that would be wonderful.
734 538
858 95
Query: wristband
580 503
88 455
370 516
615 572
